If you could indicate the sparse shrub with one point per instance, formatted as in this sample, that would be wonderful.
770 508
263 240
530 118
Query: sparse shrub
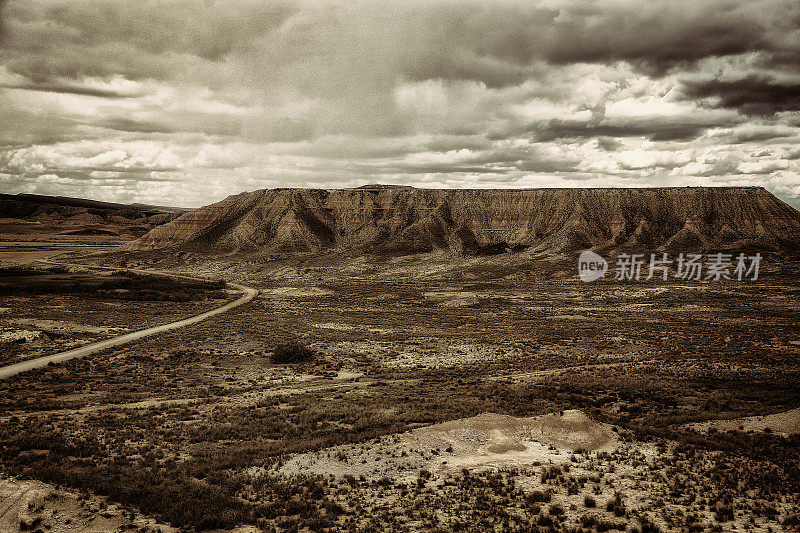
648 526
723 512
291 353
589 520
27 526
592 521
540 496
589 501
550 472
555 510
791 521
616 505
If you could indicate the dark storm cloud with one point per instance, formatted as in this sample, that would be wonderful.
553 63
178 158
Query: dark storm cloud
2 19
23 126
317 92
367 149
67 89
138 174
608 144
441 168
664 131
47 40
548 166
86 174
752 95
351 150
137 126
659 35
498 44
678 128
494 43
497 160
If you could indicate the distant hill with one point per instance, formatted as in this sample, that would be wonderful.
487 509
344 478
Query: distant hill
401 220
80 216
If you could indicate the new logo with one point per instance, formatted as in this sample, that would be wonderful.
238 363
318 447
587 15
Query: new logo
591 266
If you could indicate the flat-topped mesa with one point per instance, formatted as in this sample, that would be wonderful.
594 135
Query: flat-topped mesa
404 220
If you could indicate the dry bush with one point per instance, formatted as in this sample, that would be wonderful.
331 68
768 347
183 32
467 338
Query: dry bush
291 353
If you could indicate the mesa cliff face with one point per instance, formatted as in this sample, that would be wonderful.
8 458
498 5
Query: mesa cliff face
403 220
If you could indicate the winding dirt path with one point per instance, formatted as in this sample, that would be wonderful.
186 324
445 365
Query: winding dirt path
248 293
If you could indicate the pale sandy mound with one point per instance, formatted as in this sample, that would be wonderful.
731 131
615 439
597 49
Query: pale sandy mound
574 430
786 423
488 440
570 430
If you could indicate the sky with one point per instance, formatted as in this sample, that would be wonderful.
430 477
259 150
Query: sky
183 103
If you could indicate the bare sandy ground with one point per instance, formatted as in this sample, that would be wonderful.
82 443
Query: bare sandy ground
568 442
786 423
64 326
27 505
542 454
488 440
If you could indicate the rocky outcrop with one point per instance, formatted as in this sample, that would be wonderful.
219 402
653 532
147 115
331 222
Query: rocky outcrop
407 220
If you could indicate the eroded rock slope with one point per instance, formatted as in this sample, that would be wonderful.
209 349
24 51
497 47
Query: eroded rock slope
404 220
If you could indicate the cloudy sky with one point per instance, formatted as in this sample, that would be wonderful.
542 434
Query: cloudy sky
186 102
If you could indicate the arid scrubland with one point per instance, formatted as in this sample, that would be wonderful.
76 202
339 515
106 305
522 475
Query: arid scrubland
399 266
200 427
46 309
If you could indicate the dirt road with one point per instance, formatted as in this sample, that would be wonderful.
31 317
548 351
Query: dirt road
248 293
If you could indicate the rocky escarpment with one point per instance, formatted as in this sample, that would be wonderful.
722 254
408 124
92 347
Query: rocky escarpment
405 220
76 214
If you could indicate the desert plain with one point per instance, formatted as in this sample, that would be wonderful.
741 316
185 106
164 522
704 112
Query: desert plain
482 389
